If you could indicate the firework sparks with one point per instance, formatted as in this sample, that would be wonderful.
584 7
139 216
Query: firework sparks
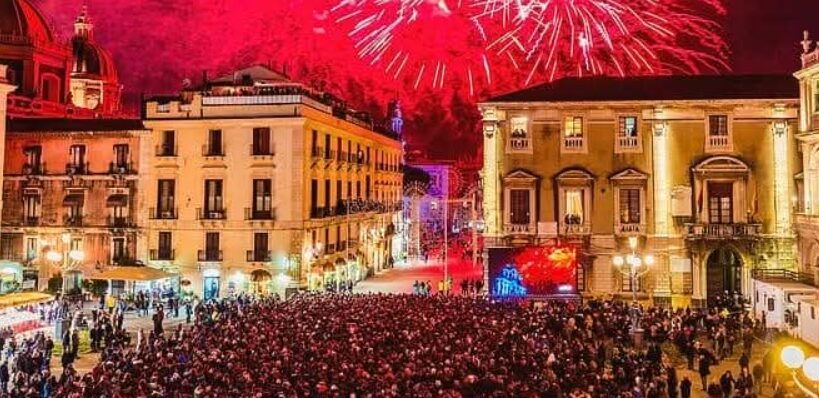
430 43
555 38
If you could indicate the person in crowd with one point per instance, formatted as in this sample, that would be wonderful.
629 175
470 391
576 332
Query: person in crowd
685 387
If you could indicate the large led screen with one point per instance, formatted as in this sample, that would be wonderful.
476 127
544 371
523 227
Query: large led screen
532 271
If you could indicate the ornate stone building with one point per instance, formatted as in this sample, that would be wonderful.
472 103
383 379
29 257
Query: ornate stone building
699 169
262 184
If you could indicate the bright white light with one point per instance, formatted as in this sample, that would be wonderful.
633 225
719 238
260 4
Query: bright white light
76 255
632 242
811 368
564 288
54 256
283 279
66 237
617 261
792 356
649 260
8 270
237 277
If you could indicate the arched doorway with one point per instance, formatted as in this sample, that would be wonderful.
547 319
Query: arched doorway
724 267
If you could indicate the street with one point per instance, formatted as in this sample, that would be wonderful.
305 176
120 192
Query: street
401 278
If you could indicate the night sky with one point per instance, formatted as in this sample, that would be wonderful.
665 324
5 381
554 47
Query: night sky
158 43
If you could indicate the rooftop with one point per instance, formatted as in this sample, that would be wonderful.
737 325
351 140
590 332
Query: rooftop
16 125
658 88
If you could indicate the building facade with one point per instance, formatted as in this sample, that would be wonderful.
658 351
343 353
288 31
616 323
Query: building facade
807 217
700 170
260 184
72 163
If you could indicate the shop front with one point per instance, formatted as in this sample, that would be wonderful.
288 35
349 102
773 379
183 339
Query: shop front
261 282
11 277
210 284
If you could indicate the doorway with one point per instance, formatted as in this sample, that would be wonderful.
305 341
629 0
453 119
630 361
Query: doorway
724 273
211 288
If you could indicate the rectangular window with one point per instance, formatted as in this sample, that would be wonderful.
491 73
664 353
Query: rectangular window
368 156
34 158
627 284
76 154
215 147
358 189
628 126
349 151
519 211
213 198
32 247
349 190
771 304
338 149
327 195
165 247
519 134
212 246
168 147
261 141
720 203
718 125
260 246
262 197
574 207
630 206
367 187
313 197
573 139
31 207
327 147
118 250
339 194
121 155
7 246
165 204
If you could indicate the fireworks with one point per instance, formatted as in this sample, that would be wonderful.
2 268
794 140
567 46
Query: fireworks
424 42
429 42
555 38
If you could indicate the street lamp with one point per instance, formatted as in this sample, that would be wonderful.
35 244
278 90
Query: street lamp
794 358
633 266
65 258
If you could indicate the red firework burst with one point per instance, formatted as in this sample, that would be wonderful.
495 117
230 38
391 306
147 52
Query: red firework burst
428 43
554 38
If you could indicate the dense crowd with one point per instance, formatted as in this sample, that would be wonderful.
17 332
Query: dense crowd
396 346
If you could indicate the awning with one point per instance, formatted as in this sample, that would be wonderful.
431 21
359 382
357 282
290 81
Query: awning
144 273
260 275
118 200
73 199
23 298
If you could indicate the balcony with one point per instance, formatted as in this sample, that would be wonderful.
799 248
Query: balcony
519 229
573 143
519 144
31 221
631 229
213 151
259 256
162 255
317 152
261 215
209 255
719 142
163 214
784 275
722 231
121 168
120 222
210 214
76 168
125 260
567 229
166 150
628 143
330 248
34 168
260 151
323 212
72 220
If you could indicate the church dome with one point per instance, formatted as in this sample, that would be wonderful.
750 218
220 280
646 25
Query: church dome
20 19
92 61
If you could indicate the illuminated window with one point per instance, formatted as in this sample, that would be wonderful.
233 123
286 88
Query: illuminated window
630 206
519 206
628 126
719 133
573 140
574 206
718 125
518 140
628 139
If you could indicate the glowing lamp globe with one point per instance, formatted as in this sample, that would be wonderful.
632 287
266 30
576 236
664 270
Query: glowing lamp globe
792 356
649 260
54 256
76 255
618 261
811 369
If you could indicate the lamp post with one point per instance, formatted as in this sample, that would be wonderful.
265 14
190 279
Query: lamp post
65 259
634 266
794 358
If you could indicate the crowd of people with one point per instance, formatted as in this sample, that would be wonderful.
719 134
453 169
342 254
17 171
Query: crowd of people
403 345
